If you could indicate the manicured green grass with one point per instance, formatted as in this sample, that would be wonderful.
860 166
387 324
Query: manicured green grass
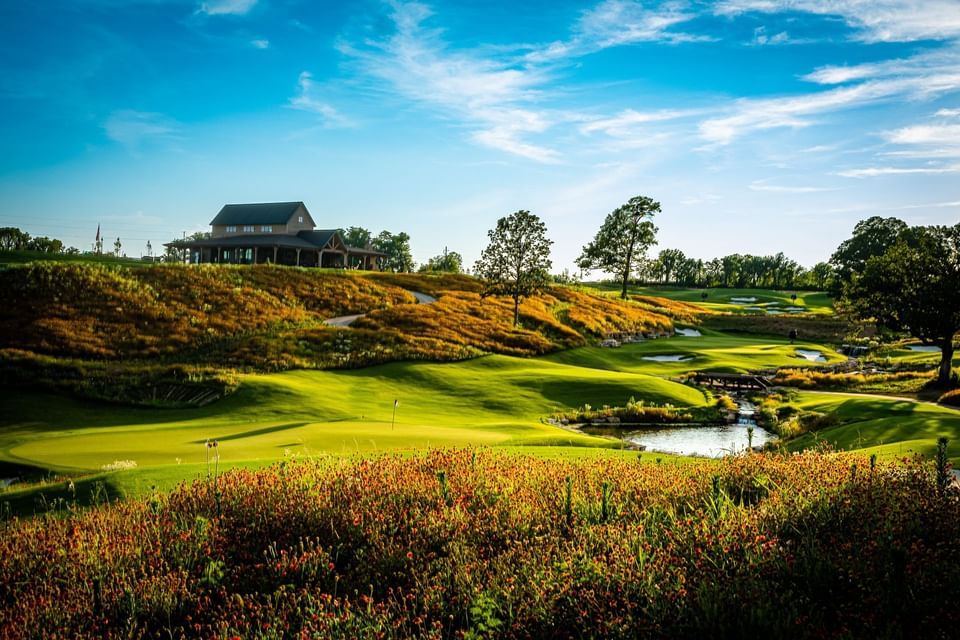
719 299
495 400
885 426
713 351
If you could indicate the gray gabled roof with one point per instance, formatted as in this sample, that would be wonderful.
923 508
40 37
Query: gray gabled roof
320 237
257 213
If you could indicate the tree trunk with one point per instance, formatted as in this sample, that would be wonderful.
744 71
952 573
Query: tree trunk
626 272
946 360
516 310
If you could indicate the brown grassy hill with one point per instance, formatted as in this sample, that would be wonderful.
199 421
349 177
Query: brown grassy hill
99 327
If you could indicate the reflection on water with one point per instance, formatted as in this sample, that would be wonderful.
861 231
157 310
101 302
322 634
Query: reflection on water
812 356
924 348
713 441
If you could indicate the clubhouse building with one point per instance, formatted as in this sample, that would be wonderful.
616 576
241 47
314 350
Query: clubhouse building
278 233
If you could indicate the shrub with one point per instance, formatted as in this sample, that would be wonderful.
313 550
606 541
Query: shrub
951 398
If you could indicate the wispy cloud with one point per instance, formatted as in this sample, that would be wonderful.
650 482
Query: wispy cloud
871 20
260 44
801 111
618 22
760 37
306 100
614 23
763 185
493 97
872 172
226 7
133 129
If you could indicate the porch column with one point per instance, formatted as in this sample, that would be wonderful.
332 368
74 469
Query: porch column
219 255
255 255
275 255
298 256
320 258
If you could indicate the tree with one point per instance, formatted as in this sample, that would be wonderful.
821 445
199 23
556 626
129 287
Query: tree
116 247
914 286
45 244
446 262
357 237
397 248
13 239
623 239
871 237
517 260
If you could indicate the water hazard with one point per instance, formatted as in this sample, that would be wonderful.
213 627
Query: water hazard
711 441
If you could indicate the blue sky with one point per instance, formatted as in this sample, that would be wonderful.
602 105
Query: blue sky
760 125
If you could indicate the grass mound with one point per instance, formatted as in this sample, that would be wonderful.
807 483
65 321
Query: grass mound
464 543
109 331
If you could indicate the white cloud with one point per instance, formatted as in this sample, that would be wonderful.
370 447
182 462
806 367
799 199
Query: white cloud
948 113
872 172
305 101
618 22
760 37
800 111
226 7
873 20
943 61
625 122
762 185
948 134
260 44
492 97
135 128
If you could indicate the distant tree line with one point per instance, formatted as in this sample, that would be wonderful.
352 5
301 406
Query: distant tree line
742 271
13 239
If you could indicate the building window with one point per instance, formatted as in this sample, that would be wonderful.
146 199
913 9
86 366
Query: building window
231 228
266 229
300 220
248 228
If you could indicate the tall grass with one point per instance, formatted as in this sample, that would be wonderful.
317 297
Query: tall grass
465 543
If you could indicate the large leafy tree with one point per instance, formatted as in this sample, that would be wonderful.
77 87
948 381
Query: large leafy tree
357 237
397 247
914 286
13 239
871 237
623 239
517 260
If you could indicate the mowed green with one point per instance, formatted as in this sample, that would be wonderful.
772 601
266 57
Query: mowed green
495 400
713 351
882 425
731 300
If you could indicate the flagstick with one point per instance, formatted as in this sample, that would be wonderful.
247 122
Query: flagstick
393 421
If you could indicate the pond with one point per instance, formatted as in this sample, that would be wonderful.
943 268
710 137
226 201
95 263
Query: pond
688 333
812 356
711 441
924 348
679 357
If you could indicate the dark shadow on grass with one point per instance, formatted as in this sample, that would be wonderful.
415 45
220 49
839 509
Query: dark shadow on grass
256 432
58 497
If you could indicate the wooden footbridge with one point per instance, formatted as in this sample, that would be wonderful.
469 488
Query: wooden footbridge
732 381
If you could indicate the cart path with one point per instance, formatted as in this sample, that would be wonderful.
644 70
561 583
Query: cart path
346 321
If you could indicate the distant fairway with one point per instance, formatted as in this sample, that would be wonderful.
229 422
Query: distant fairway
720 299
713 351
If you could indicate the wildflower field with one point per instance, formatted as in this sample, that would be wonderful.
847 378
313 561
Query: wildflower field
466 543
